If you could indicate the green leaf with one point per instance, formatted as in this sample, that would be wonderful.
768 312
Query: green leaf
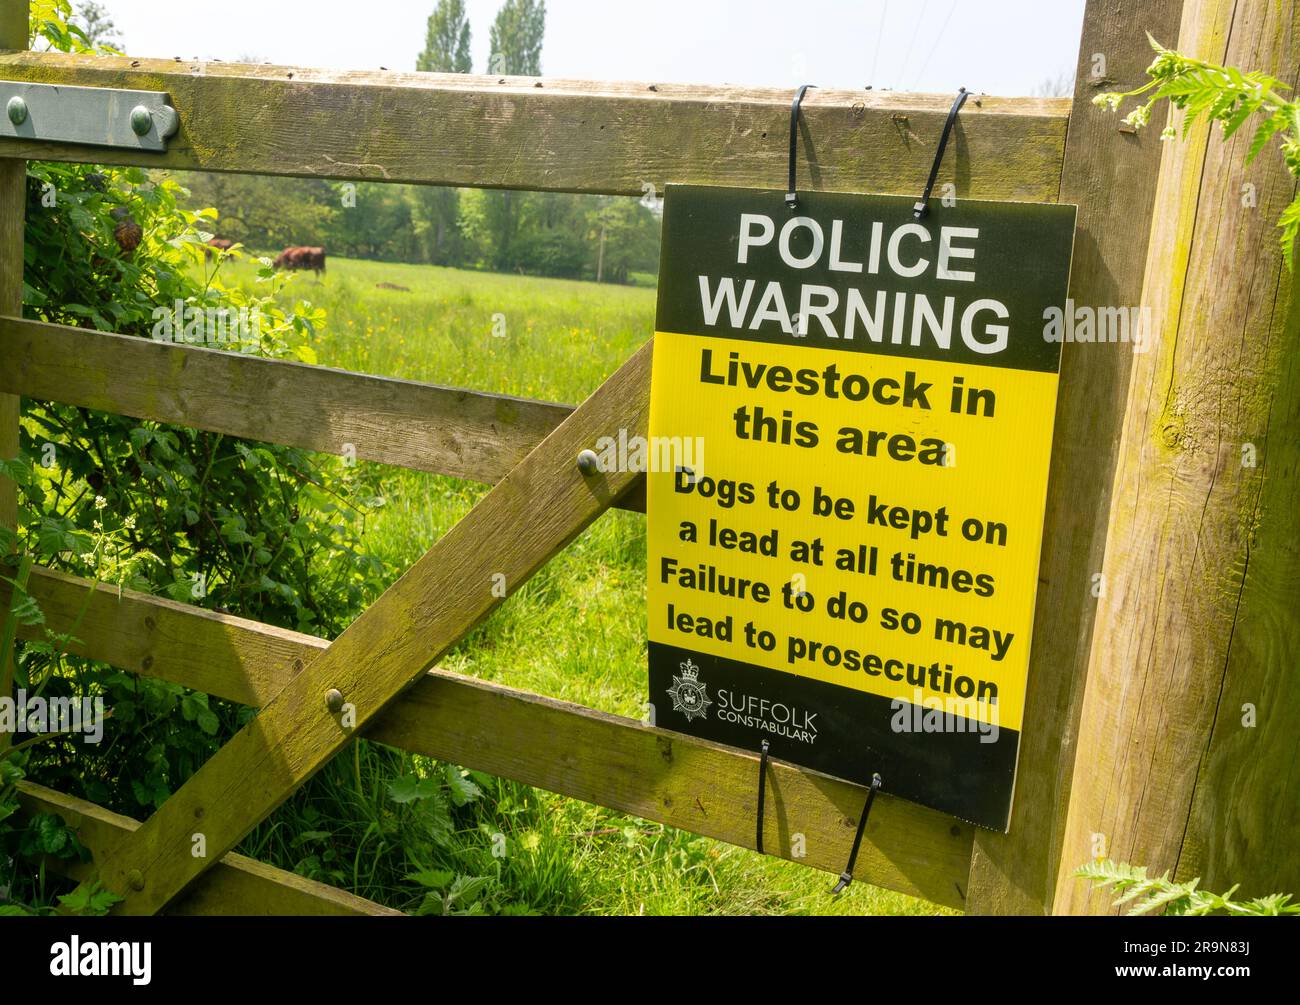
17 470
54 537
1266 131
193 705
1162 897
1234 121
51 833
22 605
467 890
180 590
1290 224
434 879
89 899
462 790
411 788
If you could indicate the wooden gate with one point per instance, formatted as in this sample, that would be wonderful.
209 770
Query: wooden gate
612 138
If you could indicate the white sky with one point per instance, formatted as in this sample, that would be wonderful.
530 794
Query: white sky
1007 47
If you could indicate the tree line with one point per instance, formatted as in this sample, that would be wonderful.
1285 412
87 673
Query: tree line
607 238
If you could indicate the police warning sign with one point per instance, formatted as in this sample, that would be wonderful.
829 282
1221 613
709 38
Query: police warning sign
843 552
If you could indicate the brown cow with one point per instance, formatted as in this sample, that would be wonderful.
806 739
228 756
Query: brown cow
302 258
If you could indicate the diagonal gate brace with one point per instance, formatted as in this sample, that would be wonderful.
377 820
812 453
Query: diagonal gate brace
538 508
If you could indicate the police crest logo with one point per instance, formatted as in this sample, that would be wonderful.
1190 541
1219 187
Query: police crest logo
688 692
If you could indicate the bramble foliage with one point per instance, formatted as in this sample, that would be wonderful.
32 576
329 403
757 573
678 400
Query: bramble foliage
1162 894
271 532
1225 95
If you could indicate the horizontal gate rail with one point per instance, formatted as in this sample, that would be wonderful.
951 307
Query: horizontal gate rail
445 430
600 758
558 135
237 885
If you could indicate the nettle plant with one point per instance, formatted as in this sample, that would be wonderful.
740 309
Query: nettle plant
1230 97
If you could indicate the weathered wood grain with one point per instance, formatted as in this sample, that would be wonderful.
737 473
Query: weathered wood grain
1110 175
525 519
1203 549
451 431
544 134
426 427
234 658
604 759
235 886
13 205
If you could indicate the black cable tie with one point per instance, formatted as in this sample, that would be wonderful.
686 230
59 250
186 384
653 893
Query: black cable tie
762 793
923 206
846 877
791 196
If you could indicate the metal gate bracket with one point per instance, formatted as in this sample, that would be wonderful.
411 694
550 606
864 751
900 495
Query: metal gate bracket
95 116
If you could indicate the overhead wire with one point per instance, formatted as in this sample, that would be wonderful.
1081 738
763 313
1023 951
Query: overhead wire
934 48
902 70
880 34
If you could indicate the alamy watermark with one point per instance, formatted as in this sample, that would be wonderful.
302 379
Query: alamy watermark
53 715
76 958
639 454
927 713
1135 326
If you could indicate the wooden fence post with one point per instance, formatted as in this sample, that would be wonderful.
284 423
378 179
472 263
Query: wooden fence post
13 203
1110 175
1186 754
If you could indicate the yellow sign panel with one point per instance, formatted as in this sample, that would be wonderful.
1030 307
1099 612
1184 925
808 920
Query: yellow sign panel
850 535
846 515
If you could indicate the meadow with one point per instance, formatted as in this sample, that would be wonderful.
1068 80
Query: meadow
576 631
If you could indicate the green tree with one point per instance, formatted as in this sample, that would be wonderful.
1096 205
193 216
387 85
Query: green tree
266 213
515 48
379 227
97 26
446 45
516 38
625 234
435 211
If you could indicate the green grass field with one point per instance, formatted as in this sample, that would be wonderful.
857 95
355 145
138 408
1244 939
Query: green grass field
577 630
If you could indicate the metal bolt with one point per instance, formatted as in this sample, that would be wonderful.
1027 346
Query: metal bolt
141 120
334 700
588 462
16 110
135 879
